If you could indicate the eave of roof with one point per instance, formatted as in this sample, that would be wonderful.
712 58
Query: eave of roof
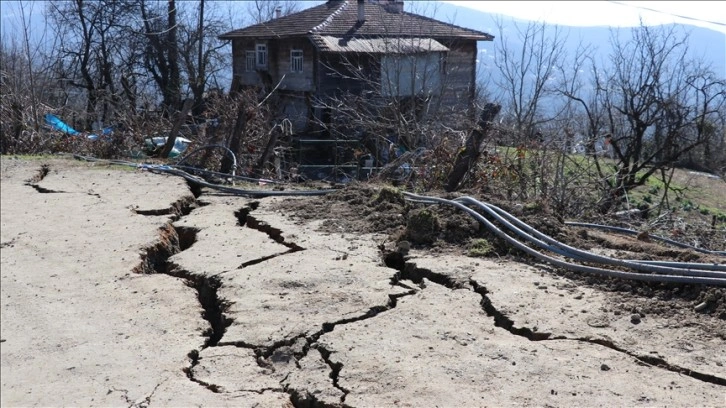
326 43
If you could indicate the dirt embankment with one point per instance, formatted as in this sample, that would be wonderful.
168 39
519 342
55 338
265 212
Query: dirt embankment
444 230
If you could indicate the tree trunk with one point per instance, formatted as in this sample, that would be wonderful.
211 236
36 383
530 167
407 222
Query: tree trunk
177 126
173 92
211 138
467 157
199 86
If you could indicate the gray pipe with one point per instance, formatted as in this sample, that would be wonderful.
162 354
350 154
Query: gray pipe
673 278
578 254
633 232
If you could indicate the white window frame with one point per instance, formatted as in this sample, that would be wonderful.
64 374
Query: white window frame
296 60
250 60
261 54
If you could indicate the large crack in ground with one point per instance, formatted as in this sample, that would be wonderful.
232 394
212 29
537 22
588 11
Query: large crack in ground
244 219
39 176
416 274
411 271
650 360
173 240
176 239
176 210
506 323
194 361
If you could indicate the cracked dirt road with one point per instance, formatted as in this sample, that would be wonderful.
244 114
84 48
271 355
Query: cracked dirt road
123 288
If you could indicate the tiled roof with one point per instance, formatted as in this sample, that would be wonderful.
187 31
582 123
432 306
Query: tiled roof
339 18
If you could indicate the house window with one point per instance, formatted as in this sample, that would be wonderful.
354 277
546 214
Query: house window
411 74
250 61
261 55
296 61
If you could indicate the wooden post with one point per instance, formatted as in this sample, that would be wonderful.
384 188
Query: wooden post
177 126
467 157
260 167
211 139
236 139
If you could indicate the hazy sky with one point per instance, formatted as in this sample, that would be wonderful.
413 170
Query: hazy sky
709 14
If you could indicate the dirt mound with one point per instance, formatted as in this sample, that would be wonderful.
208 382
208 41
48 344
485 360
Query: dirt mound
372 208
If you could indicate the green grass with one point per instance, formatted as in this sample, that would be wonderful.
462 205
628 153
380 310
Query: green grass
480 248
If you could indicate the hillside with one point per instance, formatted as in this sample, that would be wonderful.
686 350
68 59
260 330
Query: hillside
704 43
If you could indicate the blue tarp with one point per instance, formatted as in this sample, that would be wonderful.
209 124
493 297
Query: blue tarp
57 124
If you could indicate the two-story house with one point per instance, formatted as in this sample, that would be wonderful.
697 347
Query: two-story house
311 55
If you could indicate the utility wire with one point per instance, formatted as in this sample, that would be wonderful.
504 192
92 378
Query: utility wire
671 14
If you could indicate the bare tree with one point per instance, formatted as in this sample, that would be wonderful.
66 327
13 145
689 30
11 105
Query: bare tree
29 60
14 100
526 65
201 52
581 85
161 54
709 102
91 51
652 99
264 10
28 78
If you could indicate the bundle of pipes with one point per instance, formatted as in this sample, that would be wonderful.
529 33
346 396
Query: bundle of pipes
675 272
655 237
652 271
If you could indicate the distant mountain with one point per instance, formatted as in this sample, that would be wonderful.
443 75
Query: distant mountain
703 42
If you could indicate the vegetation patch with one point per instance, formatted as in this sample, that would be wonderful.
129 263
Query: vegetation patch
388 194
480 248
